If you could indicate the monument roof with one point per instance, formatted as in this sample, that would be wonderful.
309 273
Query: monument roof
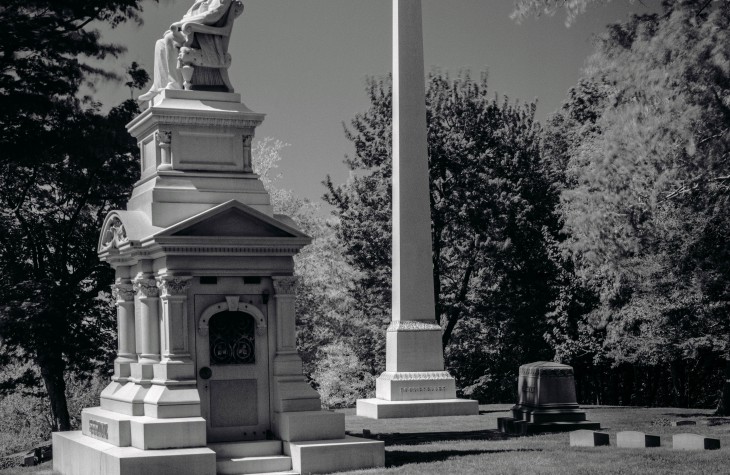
229 228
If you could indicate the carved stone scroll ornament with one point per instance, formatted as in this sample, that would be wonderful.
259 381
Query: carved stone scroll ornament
123 291
146 287
114 235
174 287
285 285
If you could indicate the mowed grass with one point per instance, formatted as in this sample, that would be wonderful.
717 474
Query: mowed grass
471 445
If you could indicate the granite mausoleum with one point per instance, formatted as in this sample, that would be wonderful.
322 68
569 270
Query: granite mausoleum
207 377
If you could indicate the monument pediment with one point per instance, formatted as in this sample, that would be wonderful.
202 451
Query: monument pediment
233 220
123 229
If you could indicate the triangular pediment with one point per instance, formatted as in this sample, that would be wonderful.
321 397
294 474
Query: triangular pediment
232 220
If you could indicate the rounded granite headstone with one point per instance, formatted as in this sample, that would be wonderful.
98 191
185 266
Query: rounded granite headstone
545 383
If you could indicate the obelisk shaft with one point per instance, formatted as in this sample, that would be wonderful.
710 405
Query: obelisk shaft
413 292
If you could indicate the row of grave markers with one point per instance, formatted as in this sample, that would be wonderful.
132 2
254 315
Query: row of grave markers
633 439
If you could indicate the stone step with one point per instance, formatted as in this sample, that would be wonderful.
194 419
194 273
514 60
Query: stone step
256 448
248 465
288 472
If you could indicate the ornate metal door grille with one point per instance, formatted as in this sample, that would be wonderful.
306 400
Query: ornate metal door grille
232 337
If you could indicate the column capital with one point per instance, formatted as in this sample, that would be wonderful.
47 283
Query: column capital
285 285
123 291
173 286
146 286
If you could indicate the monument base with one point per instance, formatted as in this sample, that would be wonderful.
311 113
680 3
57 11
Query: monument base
338 455
382 409
77 454
512 426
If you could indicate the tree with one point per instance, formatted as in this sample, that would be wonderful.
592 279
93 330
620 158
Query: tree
573 8
644 142
493 224
63 167
328 336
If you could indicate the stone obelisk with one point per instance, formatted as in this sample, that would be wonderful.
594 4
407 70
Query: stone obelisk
414 383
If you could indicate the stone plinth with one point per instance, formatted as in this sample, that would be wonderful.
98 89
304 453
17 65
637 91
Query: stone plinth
547 402
195 154
694 442
588 438
326 456
75 453
630 439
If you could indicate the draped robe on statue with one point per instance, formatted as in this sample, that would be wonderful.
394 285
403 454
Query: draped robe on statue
167 74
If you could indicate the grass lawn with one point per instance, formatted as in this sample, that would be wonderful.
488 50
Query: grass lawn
471 445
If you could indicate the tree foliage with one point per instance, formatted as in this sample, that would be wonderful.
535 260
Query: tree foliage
643 144
63 166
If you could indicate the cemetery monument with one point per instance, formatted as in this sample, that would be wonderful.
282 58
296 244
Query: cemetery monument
207 377
414 383
547 402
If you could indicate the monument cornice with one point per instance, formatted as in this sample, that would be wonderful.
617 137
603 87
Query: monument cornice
415 376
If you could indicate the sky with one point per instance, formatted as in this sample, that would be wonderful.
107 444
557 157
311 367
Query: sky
304 63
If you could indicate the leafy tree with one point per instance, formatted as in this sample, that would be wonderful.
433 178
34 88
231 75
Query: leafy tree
493 225
326 332
573 8
643 141
63 166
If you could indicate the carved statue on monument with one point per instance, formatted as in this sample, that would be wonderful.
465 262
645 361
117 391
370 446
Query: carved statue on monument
193 53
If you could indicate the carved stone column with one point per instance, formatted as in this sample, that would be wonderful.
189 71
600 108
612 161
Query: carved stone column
292 393
247 160
164 141
174 390
148 331
175 336
123 292
285 298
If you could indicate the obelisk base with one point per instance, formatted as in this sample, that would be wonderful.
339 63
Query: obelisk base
415 383
382 409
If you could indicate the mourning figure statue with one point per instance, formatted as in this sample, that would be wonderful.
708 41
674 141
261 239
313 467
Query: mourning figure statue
193 53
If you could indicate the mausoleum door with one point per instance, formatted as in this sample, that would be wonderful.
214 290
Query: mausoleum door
233 375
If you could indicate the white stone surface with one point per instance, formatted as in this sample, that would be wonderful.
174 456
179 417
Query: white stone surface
636 440
413 294
381 409
326 456
107 426
694 442
150 433
127 399
309 425
415 386
76 454
414 349
588 438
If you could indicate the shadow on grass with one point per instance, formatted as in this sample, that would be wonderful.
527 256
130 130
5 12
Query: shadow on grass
506 411
417 438
398 458
688 415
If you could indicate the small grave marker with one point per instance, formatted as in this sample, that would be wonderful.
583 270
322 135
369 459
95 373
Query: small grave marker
588 438
636 440
694 442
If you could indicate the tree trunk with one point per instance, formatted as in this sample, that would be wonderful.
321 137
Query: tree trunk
723 408
52 371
